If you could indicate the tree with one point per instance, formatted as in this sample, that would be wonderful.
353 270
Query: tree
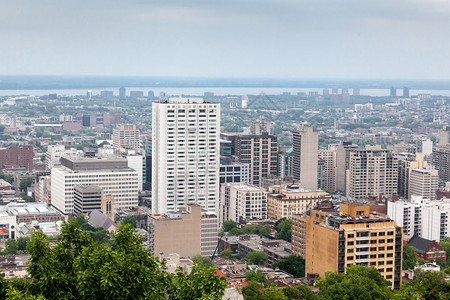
273 294
130 220
256 276
409 257
292 264
22 243
299 292
11 247
78 268
203 260
252 291
25 183
257 257
226 253
284 230
358 282
228 225
428 285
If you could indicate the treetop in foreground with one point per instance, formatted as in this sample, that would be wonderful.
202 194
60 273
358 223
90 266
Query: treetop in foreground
79 268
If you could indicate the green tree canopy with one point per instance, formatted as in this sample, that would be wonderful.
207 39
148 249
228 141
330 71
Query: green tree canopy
284 230
293 264
358 282
228 225
299 292
256 276
257 257
130 220
79 268
203 260
25 183
409 257
226 253
426 285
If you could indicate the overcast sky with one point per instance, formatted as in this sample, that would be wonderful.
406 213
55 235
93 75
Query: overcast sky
227 38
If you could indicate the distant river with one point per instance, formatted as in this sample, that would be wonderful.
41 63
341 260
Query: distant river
216 91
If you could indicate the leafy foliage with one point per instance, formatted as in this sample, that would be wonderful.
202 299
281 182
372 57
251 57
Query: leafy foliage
358 282
426 285
203 260
409 257
299 292
293 264
263 230
25 183
284 230
130 220
226 253
257 257
256 276
228 225
79 268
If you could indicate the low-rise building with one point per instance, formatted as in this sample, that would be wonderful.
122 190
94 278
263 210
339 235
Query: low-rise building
284 201
188 232
427 249
275 249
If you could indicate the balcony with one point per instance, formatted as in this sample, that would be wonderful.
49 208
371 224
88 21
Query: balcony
362 260
363 253
363 238
362 246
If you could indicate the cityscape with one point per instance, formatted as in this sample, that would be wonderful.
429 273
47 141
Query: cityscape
234 151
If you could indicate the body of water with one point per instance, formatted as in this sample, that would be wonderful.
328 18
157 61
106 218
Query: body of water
216 91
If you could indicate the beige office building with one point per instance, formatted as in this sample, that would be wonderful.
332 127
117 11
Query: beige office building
305 156
187 232
284 201
444 135
126 136
335 240
424 182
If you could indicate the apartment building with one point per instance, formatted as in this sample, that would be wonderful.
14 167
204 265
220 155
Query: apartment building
242 202
371 172
406 163
284 201
424 182
185 154
335 240
126 136
305 156
441 162
261 153
327 168
423 217
113 175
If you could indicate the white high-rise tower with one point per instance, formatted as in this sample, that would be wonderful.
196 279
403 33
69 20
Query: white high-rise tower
185 154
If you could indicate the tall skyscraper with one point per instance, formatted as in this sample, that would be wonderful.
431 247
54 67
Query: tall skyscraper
305 156
261 153
371 172
406 92
122 94
393 91
185 154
